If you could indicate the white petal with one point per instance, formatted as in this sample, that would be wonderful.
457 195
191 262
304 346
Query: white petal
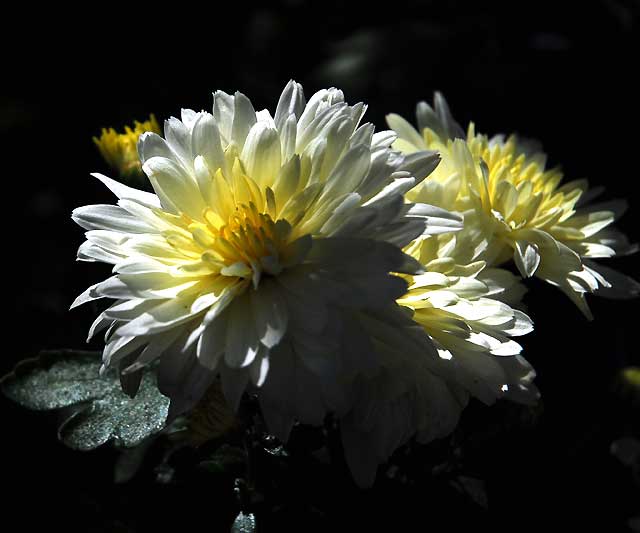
287 182
259 370
261 154
123 191
99 324
242 343
119 347
87 296
206 142
349 172
270 313
398 186
226 296
383 138
158 344
176 189
89 251
159 318
109 217
405 131
527 258
211 344
223 113
189 117
437 220
291 102
288 134
244 117
420 164
150 145
129 309
178 137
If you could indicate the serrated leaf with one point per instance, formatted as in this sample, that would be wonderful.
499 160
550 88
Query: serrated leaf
66 378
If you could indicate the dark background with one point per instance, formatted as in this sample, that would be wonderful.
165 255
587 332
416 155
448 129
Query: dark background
552 71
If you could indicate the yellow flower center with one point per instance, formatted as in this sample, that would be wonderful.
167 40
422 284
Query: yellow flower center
511 188
247 245
519 191
233 226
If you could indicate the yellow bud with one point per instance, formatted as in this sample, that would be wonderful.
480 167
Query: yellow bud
120 149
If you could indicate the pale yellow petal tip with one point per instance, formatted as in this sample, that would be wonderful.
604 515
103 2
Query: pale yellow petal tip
120 151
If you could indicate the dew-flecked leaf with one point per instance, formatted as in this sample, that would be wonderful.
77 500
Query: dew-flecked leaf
102 412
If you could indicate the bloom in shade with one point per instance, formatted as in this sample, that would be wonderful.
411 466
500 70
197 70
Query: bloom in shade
120 149
269 242
469 353
515 207
464 310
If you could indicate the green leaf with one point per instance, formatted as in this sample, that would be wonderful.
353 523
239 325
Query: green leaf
101 411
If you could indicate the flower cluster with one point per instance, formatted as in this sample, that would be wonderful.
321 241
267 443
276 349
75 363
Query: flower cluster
332 269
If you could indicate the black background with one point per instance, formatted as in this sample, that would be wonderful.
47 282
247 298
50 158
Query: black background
563 73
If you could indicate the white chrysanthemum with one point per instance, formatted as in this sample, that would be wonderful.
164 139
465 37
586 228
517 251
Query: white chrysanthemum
514 207
265 242
460 307
470 353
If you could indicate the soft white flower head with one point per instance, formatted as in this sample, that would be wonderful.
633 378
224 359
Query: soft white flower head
464 310
266 241
514 207
469 353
